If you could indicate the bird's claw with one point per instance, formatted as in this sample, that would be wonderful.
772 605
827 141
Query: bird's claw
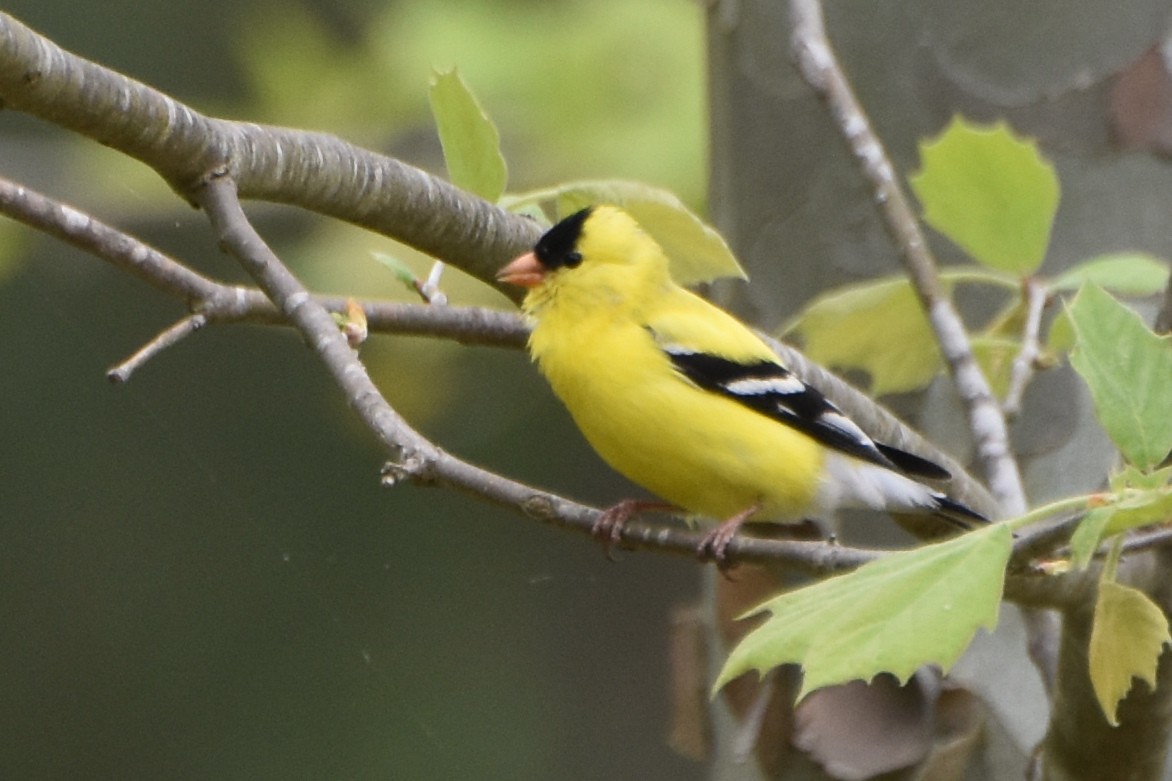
608 528
714 547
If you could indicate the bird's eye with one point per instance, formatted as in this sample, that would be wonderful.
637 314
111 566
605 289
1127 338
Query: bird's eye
573 259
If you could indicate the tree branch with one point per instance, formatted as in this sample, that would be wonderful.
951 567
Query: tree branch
820 67
221 303
1026 358
315 171
166 338
1080 744
218 198
215 302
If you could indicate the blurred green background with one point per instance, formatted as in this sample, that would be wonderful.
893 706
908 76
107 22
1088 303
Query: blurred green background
201 575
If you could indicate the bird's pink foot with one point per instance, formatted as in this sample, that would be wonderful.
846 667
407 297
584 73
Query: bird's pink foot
714 546
608 529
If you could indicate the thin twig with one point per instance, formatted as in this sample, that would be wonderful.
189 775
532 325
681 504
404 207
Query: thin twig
219 200
1043 539
1148 539
1025 362
222 303
83 231
168 337
821 69
430 288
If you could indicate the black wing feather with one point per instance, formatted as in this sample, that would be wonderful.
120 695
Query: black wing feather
912 464
772 390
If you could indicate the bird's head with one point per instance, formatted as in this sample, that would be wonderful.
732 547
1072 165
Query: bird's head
600 249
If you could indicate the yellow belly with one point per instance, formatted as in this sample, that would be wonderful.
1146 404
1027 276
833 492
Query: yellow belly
702 452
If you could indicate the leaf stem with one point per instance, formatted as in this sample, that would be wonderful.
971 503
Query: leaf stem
1111 562
1068 504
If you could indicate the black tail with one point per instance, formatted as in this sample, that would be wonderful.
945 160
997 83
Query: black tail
958 514
911 464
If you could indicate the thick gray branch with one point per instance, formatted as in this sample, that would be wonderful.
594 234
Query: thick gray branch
315 171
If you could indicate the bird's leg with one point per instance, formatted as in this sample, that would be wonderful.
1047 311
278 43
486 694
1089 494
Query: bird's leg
608 529
715 544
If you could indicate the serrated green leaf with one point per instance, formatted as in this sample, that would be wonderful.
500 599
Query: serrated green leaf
697 252
1129 371
1127 638
877 327
989 191
1125 273
893 615
1130 477
470 140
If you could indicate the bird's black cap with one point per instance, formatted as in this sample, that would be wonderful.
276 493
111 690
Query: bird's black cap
558 248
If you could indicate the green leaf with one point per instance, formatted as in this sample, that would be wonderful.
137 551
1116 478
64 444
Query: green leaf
401 270
893 615
1125 273
875 326
1060 337
1129 372
1086 538
995 356
1130 477
989 191
470 141
1127 638
697 252
1140 499
1136 499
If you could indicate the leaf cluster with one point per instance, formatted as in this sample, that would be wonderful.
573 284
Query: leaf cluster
994 196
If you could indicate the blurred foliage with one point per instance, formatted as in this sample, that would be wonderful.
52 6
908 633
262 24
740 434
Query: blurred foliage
696 252
470 140
566 105
559 79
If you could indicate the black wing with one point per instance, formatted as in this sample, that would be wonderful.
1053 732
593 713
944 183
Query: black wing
772 390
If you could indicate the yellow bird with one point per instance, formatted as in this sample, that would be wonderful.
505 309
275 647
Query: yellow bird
684 400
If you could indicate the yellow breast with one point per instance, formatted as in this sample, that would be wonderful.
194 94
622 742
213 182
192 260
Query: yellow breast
703 452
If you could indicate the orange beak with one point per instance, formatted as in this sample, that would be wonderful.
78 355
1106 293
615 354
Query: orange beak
525 271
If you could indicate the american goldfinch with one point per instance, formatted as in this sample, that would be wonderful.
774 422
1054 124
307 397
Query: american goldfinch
686 401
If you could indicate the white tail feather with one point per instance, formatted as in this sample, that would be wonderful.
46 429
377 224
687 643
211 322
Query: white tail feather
850 483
